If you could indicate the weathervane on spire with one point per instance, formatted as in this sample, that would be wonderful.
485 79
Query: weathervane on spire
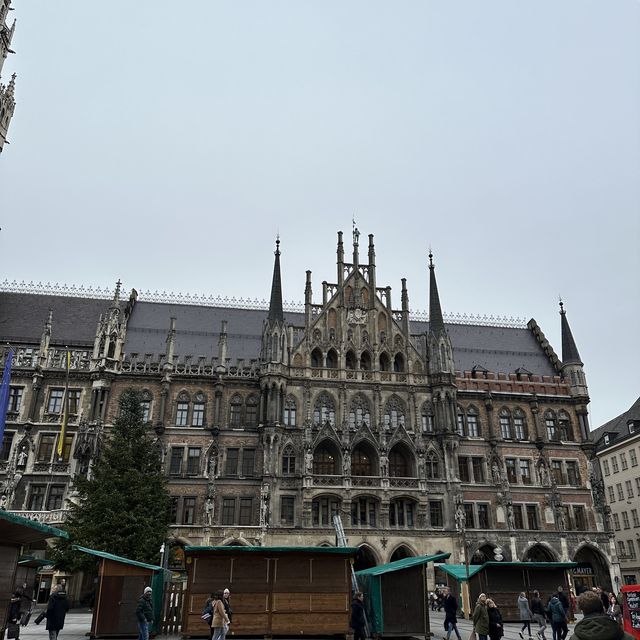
356 233
277 251
561 304
430 257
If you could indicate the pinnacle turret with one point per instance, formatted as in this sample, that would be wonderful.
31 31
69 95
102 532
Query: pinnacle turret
436 321
570 353
275 305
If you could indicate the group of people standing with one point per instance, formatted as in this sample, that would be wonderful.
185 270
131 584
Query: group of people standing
218 613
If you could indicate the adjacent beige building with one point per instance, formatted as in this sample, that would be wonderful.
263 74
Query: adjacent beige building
618 450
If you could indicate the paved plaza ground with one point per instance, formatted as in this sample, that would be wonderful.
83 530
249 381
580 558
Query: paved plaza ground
78 623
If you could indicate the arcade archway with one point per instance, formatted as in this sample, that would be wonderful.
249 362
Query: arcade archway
401 553
592 570
365 558
539 553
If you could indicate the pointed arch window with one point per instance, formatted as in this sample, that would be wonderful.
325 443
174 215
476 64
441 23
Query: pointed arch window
362 462
460 422
359 412
316 358
350 360
399 465
385 362
288 461
324 410
564 427
432 466
398 363
145 405
520 425
290 412
551 426
235 411
473 423
182 410
426 418
325 461
506 430
365 361
251 411
332 359
394 413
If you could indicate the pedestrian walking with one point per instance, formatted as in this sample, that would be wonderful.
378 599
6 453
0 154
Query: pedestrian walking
144 614
525 614
226 594
539 614
573 606
613 610
558 618
562 596
604 597
219 621
358 620
481 618
496 627
57 608
596 625
450 613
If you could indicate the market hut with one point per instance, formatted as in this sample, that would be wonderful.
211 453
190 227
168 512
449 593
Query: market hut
15 533
120 584
503 581
396 596
275 591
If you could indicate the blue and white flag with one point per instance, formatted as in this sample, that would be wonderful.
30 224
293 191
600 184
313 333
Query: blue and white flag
4 394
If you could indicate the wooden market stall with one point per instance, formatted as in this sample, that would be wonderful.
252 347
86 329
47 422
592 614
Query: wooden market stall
120 584
275 591
503 581
15 533
396 596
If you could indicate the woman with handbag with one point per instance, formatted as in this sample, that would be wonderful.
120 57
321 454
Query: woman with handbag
220 620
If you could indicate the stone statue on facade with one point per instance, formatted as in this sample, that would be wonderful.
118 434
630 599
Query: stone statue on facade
264 505
511 517
23 456
209 508
308 461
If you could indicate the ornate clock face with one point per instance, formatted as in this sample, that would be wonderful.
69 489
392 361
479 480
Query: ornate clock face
357 316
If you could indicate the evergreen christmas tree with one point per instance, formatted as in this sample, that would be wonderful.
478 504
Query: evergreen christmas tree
123 508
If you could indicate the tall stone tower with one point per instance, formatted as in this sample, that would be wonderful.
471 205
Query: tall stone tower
7 100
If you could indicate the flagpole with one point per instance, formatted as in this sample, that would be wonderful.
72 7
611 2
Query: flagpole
65 415
4 393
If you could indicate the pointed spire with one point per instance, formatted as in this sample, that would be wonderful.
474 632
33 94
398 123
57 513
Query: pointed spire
436 321
275 305
116 295
570 353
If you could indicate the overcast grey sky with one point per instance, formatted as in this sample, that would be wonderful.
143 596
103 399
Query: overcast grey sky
166 143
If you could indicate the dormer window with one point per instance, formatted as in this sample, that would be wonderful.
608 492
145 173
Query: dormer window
606 439
632 426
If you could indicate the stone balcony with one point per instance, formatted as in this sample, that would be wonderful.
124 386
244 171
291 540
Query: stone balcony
55 517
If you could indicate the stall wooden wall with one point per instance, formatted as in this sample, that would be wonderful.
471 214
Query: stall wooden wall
8 564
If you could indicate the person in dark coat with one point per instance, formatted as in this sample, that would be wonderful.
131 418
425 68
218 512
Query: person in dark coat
596 625
144 614
450 611
558 616
226 594
358 618
57 608
496 628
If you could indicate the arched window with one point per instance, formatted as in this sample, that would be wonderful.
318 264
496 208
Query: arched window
362 461
402 513
385 362
365 361
364 511
432 466
552 427
399 465
460 426
316 358
520 425
506 430
325 460
473 423
323 509
332 359
182 409
364 296
359 412
145 405
290 412
398 363
288 461
426 418
251 411
324 410
198 411
564 427
350 360
235 411
393 413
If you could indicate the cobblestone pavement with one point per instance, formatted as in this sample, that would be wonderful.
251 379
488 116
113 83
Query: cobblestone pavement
78 623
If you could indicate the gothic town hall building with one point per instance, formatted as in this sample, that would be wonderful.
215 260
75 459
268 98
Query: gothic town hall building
269 421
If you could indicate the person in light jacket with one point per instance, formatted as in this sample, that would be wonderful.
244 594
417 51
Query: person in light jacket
220 620
525 614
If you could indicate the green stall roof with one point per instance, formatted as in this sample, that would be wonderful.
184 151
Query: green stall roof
401 564
346 551
111 556
459 571
18 530
32 562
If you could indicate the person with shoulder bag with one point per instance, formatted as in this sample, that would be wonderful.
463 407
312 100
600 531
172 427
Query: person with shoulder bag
481 618
220 620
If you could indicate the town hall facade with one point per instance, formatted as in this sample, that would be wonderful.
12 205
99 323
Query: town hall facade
424 436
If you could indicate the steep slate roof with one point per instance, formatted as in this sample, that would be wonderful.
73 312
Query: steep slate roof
618 425
22 318
23 315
